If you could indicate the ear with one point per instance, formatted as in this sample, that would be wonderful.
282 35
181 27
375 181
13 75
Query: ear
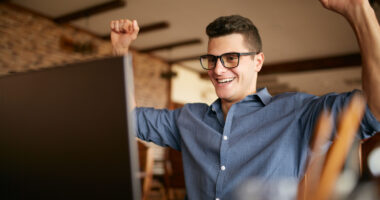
259 61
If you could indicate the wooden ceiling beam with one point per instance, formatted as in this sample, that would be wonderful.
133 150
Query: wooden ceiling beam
153 27
146 28
313 64
110 5
172 45
372 2
184 59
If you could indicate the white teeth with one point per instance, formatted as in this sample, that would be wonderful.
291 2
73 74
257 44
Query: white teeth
225 80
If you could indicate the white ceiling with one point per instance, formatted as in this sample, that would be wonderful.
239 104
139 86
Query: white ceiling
291 29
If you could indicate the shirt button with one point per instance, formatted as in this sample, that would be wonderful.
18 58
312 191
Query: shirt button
225 138
223 168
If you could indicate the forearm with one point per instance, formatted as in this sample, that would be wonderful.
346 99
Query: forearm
367 30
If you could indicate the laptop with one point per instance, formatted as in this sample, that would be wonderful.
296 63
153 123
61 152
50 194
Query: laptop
68 132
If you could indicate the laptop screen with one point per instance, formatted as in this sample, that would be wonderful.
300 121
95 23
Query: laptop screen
67 133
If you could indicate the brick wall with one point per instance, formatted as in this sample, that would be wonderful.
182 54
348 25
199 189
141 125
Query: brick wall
31 42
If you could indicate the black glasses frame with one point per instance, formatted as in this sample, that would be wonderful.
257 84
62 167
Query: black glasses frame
221 60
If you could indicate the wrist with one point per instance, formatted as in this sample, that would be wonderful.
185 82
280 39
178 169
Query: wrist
358 12
119 51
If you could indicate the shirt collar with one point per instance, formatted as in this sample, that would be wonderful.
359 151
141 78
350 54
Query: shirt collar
262 95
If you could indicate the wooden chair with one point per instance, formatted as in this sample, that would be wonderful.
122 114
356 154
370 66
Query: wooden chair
321 188
173 176
315 161
146 168
366 146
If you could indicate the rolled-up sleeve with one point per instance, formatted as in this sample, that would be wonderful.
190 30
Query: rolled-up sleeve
336 103
369 125
158 126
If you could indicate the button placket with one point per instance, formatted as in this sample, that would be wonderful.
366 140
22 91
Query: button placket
223 151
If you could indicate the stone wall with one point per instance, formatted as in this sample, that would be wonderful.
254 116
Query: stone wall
31 42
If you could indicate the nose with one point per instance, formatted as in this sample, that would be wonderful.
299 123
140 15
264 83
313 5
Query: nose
219 68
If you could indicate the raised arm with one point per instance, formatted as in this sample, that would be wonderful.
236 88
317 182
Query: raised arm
123 32
363 20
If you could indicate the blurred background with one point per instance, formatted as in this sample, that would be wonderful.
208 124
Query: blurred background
307 48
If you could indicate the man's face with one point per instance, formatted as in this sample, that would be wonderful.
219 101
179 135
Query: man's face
233 85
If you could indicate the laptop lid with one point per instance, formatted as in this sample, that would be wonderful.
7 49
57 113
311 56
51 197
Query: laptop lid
68 133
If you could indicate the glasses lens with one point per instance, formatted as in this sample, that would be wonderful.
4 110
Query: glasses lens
208 61
230 60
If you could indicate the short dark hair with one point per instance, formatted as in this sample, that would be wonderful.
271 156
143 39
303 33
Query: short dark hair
226 25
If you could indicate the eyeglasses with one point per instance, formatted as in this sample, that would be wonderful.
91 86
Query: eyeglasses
228 60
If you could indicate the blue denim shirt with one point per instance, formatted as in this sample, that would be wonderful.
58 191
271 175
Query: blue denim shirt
263 137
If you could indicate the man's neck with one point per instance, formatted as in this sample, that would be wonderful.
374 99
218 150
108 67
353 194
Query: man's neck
226 105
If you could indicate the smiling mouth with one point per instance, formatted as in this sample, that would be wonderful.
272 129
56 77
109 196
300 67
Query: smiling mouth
226 80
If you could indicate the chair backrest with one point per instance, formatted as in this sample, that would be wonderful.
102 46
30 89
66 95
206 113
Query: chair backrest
366 147
334 160
322 133
146 168
174 176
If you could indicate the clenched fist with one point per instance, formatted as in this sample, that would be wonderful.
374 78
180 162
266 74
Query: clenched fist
123 32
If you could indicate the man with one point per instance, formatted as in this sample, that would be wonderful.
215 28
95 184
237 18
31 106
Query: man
248 133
